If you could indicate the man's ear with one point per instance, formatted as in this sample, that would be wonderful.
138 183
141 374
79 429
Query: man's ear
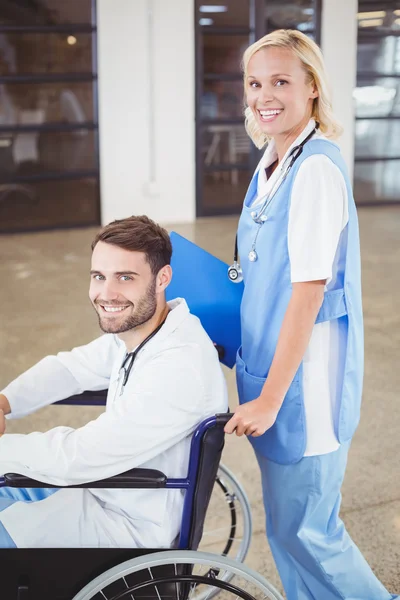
164 277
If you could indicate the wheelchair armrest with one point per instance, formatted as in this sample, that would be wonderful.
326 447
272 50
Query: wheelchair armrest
135 478
86 399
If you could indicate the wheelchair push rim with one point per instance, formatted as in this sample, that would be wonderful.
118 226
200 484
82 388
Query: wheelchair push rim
237 513
248 585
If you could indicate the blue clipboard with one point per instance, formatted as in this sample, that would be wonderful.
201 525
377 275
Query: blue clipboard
201 279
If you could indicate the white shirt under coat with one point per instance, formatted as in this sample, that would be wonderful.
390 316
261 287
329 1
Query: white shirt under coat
176 381
318 214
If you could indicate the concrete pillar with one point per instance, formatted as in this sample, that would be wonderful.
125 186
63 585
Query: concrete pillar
339 46
147 109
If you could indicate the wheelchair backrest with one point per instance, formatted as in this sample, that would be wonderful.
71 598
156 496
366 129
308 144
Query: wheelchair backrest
210 446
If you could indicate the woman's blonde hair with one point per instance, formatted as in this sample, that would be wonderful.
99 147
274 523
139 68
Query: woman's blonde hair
311 57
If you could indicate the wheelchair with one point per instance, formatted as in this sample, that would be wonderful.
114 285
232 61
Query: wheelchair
184 572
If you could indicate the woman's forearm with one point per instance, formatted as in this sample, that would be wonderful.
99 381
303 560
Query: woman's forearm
293 340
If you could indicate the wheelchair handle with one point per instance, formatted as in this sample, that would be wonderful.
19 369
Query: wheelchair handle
221 351
223 418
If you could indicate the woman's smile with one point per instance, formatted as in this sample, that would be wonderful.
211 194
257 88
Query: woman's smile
267 115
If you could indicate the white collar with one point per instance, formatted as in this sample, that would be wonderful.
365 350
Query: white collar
179 311
271 155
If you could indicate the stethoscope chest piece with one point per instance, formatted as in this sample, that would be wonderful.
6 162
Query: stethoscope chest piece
235 273
259 219
253 256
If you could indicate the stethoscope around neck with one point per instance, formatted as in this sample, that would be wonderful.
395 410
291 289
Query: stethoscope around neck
235 273
127 364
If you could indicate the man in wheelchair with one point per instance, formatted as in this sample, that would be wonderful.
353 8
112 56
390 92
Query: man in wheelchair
163 377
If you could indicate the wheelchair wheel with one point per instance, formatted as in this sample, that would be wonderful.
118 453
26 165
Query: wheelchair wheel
228 526
178 575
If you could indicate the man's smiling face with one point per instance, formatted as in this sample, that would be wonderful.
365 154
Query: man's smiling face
122 288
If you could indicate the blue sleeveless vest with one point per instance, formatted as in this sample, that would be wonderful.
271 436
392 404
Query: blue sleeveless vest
267 291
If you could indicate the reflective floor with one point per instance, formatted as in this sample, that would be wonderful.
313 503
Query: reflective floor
44 280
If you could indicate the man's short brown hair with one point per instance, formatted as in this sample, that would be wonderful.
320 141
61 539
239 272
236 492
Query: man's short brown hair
139 234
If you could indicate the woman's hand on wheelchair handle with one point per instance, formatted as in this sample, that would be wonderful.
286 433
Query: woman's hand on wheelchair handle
253 418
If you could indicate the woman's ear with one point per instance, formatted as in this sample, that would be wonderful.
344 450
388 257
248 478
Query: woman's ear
314 93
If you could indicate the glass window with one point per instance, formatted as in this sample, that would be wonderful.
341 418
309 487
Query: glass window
222 100
48 204
380 55
377 149
34 153
225 144
223 53
67 151
50 12
224 190
298 14
227 13
228 156
379 137
29 149
36 53
378 16
34 103
376 181
377 97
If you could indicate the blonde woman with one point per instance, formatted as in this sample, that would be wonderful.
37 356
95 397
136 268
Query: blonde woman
300 366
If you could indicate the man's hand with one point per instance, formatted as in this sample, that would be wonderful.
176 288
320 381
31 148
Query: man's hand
2 423
4 404
253 418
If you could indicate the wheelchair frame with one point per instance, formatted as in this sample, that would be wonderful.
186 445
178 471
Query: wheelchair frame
193 516
145 478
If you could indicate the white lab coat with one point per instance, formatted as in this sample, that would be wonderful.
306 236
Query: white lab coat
176 381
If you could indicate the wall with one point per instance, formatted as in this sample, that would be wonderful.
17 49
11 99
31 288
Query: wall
339 46
146 109
147 102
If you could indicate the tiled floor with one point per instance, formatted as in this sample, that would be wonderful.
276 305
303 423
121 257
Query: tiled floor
44 280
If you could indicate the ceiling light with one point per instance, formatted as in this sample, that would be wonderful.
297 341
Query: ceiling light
205 21
304 26
71 39
371 23
373 95
213 8
376 14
